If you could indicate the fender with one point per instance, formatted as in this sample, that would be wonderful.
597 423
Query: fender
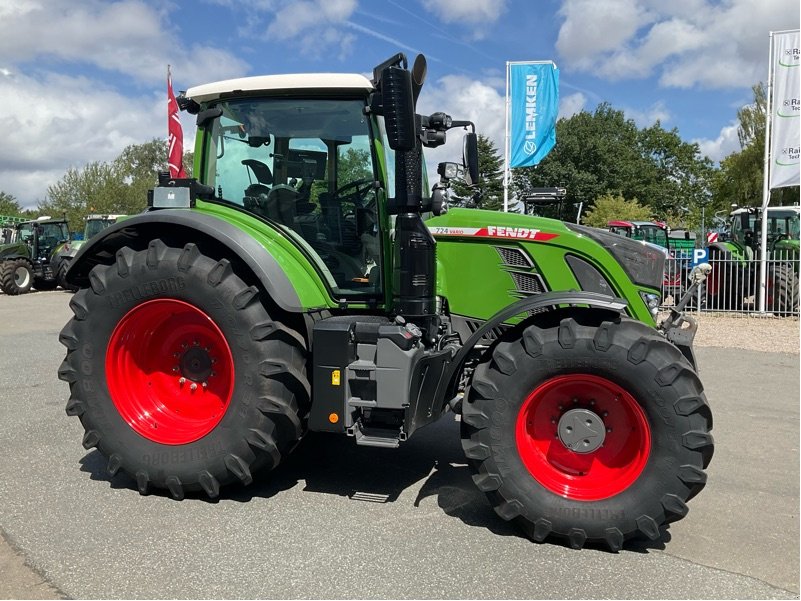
14 251
546 299
134 229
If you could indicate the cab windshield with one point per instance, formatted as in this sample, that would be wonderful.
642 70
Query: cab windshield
307 166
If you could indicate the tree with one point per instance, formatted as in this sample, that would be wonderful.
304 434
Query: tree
610 207
490 179
117 187
9 205
603 153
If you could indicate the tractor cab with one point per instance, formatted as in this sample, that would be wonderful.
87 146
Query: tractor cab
43 236
783 229
307 165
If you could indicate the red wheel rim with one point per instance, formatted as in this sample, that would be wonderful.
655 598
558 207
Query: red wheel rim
712 281
600 474
170 372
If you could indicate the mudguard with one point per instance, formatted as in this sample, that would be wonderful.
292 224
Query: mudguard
141 227
547 299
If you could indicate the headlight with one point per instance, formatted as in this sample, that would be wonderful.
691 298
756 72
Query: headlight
644 263
651 301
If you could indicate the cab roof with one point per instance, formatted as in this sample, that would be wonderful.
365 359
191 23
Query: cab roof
274 83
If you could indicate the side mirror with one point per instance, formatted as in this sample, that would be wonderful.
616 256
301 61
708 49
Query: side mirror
470 158
203 117
397 99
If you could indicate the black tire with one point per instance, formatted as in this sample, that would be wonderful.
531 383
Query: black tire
265 416
16 276
61 277
782 291
624 353
44 285
725 285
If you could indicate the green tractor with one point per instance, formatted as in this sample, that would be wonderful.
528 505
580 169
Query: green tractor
307 280
61 261
27 259
734 280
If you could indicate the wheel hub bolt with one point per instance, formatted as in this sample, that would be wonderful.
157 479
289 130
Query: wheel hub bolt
182 380
193 386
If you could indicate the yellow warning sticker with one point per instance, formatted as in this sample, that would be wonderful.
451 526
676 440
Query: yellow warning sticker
335 375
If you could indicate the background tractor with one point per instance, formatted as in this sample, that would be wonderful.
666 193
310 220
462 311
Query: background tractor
27 260
310 280
734 279
61 260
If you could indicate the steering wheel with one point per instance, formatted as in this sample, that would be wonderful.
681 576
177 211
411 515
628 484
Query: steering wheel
359 187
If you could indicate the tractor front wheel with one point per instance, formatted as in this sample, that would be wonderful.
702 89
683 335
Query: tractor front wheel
16 276
587 430
61 277
179 375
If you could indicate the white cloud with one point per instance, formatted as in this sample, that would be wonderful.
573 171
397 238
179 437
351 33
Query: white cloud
463 99
477 14
572 104
316 25
53 124
594 27
726 143
647 117
127 37
300 16
684 42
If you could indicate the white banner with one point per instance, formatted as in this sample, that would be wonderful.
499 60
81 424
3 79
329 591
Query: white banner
785 148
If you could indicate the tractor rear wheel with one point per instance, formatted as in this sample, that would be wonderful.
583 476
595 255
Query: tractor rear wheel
16 276
726 284
179 375
587 430
782 290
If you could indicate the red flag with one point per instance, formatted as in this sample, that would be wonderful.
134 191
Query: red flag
175 156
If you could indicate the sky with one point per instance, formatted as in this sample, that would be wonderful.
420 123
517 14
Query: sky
82 79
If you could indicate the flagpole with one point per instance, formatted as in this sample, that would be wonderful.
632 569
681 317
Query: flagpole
506 148
763 246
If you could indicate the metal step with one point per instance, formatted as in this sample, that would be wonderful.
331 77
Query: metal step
376 437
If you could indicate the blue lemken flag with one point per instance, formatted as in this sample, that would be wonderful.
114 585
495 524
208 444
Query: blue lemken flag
534 100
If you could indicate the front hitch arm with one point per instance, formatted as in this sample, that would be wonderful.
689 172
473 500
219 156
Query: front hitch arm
673 326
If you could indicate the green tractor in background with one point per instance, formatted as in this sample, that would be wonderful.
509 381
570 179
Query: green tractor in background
27 259
310 280
734 279
61 261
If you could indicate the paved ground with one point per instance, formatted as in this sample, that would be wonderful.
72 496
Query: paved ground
337 521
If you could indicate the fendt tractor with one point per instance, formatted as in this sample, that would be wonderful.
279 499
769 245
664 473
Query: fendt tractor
734 279
308 281
61 262
27 260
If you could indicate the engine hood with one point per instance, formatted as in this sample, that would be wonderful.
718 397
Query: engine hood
15 249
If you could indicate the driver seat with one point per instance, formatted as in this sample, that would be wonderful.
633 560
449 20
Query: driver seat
281 204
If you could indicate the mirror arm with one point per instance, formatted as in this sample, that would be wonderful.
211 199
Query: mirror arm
469 124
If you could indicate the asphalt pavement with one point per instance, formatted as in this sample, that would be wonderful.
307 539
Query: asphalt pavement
341 521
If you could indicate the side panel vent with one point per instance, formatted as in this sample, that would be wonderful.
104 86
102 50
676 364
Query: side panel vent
514 257
528 283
